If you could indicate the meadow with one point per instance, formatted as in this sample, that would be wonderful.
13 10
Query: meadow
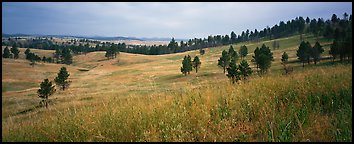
146 98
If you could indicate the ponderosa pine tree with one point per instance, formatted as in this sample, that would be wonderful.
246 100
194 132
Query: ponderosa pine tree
233 72
190 65
303 52
284 58
6 53
196 63
46 89
27 51
62 77
316 52
186 65
233 54
67 57
263 58
202 51
308 52
15 51
58 55
44 59
224 60
245 69
243 51
233 37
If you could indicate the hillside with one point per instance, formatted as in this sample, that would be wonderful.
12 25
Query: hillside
146 98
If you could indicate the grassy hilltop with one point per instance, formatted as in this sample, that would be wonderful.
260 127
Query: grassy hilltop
146 98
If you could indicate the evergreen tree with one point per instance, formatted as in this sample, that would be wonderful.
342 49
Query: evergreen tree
308 52
245 69
50 60
243 51
44 59
6 53
224 60
173 46
196 63
58 55
284 58
232 53
27 51
233 72
316 52
67 57
189 64
62 77
303 52
263 58
256 57
15 51
46 89
202 51
233 37
186 65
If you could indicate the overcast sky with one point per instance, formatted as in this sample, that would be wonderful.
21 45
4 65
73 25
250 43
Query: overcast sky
179 20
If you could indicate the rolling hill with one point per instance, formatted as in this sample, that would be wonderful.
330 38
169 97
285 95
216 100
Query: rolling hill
146 98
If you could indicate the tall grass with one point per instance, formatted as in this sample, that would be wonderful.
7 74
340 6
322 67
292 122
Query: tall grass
312 105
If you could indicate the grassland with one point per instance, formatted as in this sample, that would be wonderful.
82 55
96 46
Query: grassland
146 98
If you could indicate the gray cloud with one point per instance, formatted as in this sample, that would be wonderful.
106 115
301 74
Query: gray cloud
180 20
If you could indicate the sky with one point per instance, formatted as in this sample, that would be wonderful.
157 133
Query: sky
157 19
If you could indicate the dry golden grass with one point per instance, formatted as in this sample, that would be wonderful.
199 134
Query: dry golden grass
146 98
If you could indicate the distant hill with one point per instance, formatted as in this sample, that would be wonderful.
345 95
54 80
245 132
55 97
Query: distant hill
14 35
93 37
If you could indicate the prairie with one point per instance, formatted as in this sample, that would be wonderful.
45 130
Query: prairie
146 98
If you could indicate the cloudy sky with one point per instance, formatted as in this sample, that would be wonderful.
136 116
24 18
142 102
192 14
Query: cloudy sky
179 20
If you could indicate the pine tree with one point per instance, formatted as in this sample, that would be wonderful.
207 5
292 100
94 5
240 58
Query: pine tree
233 37
316 52
196 63
224 60
256 57
284 57
202 51
303 52
263 58
243 51
233 72
68 59
15 51
44 59
245 69
6 53
186 65
46 89
27 51
62 77
58 55
189 64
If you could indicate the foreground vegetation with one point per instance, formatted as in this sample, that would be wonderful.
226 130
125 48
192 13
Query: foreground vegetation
315 105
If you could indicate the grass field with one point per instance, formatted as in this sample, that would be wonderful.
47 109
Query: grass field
146 98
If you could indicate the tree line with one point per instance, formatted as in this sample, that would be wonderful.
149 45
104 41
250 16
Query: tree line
329 29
